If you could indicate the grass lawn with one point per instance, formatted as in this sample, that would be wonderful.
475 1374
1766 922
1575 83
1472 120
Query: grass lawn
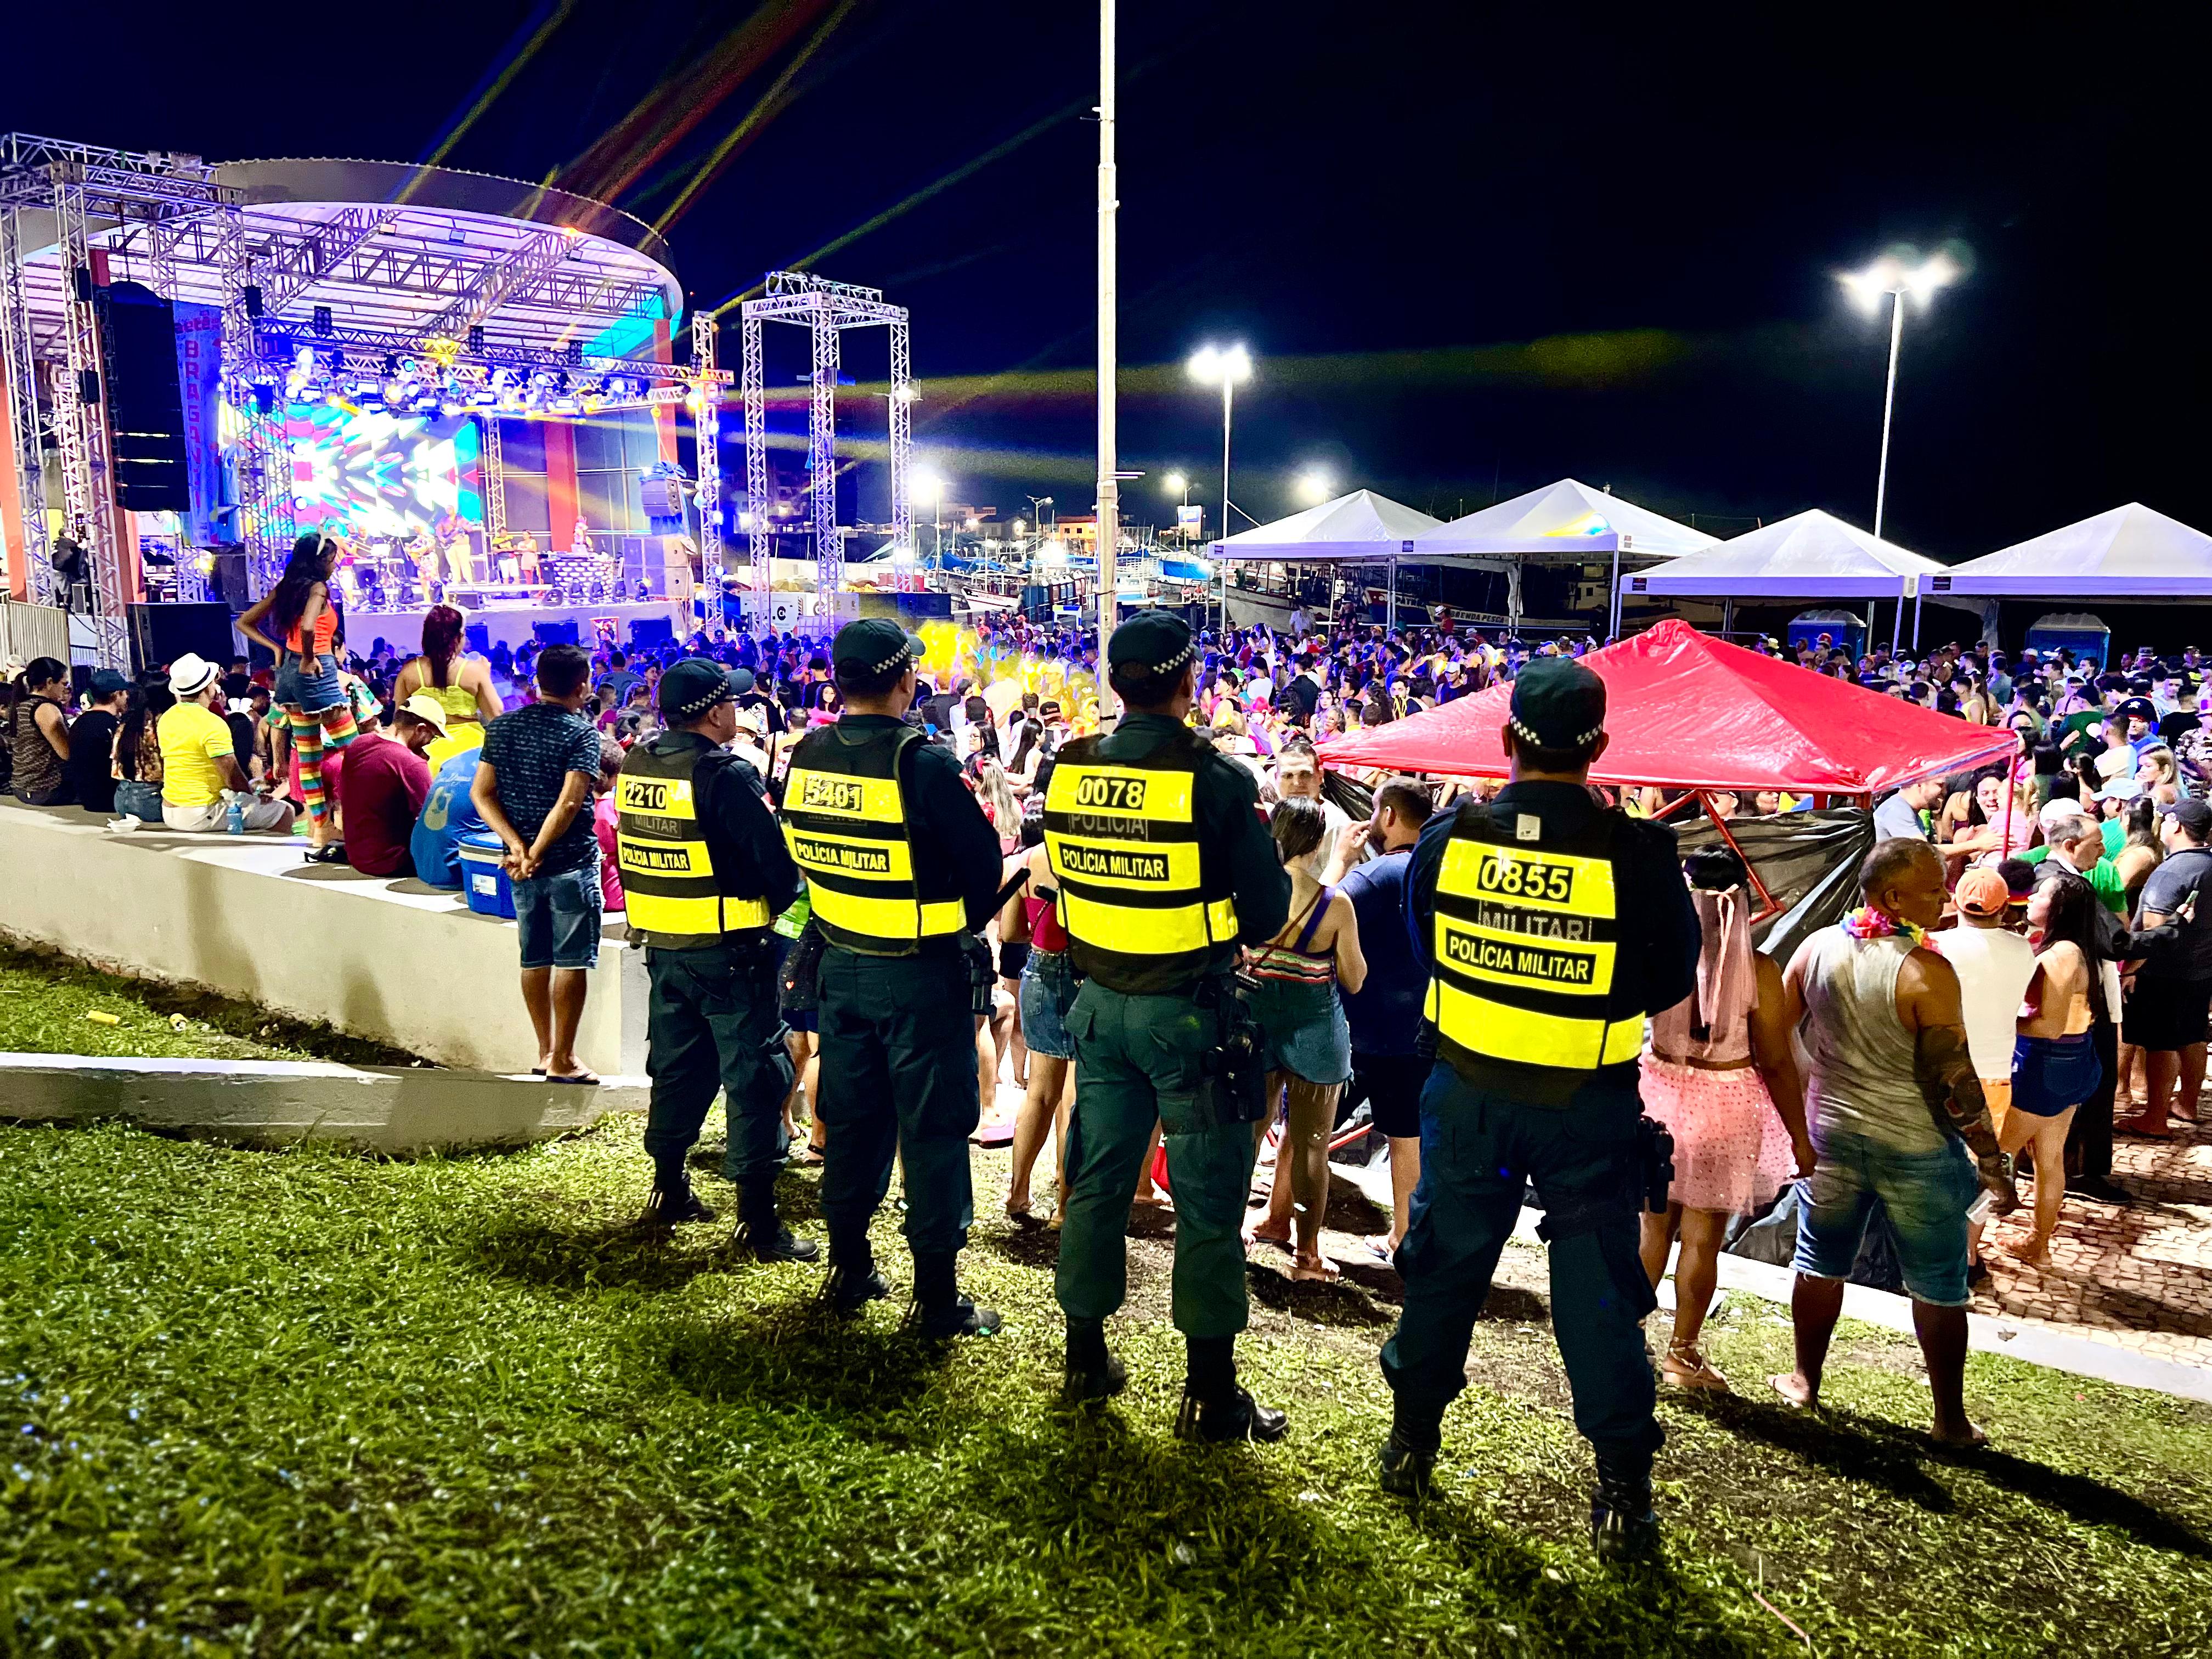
304 1403
44 999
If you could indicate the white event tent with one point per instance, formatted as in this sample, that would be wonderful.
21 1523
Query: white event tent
1362 527
1811 555
1566 521
2131 552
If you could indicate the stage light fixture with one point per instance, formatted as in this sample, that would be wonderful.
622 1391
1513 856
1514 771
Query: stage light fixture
476 338
390 366
324 325
337 362
250 297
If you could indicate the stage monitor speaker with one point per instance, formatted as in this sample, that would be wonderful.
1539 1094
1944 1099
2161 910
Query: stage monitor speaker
650 631
146 411
159 634
554 632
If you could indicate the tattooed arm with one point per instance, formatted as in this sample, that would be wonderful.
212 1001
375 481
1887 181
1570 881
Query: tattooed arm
1929 1002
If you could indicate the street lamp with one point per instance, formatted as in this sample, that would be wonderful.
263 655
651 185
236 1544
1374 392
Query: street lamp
929 486
1222 365
1177 484
1896 274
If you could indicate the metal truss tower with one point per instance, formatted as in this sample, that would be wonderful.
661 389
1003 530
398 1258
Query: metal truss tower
80 184
826 309
706 429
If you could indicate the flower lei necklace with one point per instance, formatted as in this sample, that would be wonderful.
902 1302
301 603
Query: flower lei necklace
1867 923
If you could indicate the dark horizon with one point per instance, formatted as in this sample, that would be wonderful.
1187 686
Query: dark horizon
1472 255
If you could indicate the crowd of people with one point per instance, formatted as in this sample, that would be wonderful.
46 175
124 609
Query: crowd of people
2023 978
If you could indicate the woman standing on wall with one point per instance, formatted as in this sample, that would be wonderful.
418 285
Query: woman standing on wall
308 688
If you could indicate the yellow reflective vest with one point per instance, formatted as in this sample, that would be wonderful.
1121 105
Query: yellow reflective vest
844 820
1136 891
1526 936
674 895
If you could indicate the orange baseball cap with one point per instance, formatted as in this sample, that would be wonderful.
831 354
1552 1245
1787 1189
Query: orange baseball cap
1982 893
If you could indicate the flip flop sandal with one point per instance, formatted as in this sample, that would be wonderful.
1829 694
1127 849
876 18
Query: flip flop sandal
582 1080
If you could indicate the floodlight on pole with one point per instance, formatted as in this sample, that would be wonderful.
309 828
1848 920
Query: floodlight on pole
1894 276
1314 487
928 485
1222 365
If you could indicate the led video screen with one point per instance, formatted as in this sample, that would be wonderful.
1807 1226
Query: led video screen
383 475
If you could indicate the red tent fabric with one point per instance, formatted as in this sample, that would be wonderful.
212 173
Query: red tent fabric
1689 712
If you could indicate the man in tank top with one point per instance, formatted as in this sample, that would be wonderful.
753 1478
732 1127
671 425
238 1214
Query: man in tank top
1897 1112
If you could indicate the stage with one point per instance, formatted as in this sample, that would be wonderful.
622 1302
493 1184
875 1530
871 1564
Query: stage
513 625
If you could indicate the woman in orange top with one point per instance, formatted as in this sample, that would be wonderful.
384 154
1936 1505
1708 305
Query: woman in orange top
308 687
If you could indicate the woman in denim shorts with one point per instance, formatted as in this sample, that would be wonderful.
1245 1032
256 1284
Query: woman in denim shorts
314 701
1048 991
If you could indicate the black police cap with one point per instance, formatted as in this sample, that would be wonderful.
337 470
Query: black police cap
1157 641
1557 704
873 645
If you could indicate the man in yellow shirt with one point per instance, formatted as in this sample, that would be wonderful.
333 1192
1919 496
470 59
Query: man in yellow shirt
198 761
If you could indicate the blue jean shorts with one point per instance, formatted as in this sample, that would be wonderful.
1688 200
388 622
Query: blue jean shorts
1926 1193
1048 992
558 916
309 692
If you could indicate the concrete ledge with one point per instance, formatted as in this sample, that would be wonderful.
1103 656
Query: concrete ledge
278 1104
245 916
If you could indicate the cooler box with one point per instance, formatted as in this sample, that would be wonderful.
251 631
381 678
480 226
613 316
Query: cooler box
484 878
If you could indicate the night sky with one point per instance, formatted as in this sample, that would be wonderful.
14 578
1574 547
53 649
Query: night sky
1402 209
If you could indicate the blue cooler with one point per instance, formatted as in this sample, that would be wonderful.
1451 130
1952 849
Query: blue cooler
483 877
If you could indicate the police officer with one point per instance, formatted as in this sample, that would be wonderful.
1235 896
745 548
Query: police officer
902 868
704 872
1163 865
1551 926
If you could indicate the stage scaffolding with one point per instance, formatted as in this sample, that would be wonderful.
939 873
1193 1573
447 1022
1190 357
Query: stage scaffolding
825 309
327 273
57 191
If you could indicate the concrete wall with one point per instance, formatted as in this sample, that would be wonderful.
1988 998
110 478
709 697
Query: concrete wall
280 1103
396 961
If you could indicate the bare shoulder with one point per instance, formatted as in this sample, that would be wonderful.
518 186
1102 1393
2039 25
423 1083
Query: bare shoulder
1769 975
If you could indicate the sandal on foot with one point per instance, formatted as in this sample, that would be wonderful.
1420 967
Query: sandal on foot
1686 1367
1314 1268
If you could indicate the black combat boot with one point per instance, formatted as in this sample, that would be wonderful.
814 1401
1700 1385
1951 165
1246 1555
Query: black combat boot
1214 1409
854 1281
761 1235
1408 1457
672 1204
1093 1374
939 1311
1624 1528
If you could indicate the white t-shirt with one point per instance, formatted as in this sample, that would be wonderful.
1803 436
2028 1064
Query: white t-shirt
1994 968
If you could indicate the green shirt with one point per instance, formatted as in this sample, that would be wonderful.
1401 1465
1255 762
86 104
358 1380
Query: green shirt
2103 880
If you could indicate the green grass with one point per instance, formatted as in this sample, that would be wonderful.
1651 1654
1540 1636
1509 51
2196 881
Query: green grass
300 1403
44 999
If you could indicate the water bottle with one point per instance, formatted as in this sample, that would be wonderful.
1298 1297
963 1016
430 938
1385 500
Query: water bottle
235 819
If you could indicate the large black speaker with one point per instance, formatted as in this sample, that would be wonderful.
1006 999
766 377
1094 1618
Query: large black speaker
145 407
159 634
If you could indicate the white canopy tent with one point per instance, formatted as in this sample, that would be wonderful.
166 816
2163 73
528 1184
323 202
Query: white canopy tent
1566 521
1812 556
1360 528
2131 552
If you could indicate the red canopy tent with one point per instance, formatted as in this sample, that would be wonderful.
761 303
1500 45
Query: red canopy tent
1689 712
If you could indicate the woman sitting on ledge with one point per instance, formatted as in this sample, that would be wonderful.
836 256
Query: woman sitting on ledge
37 734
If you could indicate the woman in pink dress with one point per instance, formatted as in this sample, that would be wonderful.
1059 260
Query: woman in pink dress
1720 1076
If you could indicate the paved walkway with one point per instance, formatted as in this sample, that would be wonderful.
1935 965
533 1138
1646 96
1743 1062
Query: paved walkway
2139 1276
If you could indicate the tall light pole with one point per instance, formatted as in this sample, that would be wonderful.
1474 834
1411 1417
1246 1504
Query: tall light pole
1896 274
1224 366
928 486
1177 484
1109 484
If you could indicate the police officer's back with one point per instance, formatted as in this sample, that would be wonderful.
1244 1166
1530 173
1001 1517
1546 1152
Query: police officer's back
704 872
1164 866
901 869
1551 926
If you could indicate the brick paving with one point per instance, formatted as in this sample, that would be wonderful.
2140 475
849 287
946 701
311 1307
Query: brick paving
2139 1277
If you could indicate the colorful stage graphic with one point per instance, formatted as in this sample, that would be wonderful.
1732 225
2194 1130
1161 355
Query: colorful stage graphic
383 475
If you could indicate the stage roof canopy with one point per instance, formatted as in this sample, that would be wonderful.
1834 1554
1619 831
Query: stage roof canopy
2131 552
1686 711
1566 520
1814 555
1358 528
